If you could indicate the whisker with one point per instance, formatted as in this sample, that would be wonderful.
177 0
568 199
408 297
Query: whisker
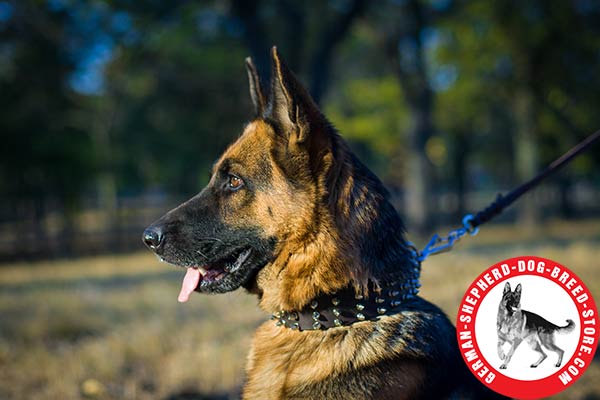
213 239
202 254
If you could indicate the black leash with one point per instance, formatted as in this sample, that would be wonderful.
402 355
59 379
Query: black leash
471 223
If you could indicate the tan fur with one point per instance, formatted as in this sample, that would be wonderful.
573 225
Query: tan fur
311 258
279 195
285 363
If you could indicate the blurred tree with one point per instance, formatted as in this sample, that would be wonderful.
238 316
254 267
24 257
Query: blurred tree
108 98
46 157
368 114
524 77
176 89
365 103
404 29
304 30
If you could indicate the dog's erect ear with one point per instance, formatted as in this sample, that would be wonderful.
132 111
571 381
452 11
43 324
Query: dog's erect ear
506 288
256 92
291 107
518 291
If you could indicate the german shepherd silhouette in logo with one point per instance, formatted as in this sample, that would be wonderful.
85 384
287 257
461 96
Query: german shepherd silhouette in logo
515 325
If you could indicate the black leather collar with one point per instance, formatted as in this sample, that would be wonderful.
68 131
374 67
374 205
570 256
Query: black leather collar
345 307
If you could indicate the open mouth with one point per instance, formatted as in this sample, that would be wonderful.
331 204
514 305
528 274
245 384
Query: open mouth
210 274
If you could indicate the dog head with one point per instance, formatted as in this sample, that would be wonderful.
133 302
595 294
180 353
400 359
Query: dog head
288 212
511 300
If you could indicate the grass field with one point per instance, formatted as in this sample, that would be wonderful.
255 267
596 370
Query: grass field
111 328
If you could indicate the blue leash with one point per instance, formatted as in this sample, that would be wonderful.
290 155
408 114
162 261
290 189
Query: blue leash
439 244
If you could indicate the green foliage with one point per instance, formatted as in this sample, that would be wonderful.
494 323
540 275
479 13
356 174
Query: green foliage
502 48
370 116
174 90
177 103
43 153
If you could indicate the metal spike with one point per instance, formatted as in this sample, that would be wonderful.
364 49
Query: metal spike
316 315
379 300
396 303
336 312
395 293
337 322
316 325
360 316
314 304
294 326
277 314
335 301
358 297
360 307
381 310
279 322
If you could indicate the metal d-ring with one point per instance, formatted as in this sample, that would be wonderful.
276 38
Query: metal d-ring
469 228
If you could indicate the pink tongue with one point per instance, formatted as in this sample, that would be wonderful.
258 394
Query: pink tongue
190 282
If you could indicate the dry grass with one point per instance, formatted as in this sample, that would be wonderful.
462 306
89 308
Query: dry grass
110 327
114 324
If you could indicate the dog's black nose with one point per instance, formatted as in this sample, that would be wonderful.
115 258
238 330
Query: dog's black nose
153 237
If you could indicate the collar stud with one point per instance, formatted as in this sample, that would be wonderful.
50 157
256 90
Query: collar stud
346 307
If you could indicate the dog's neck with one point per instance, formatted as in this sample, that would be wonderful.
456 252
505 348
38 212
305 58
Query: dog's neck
505 310
511 310
356 240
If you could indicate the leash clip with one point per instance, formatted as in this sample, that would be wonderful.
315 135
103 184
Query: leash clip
467 224
439 244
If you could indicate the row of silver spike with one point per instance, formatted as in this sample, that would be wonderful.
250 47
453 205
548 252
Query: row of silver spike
412 284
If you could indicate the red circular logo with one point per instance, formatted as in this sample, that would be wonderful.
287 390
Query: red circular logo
527 327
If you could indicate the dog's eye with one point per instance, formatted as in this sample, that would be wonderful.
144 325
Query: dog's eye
234 182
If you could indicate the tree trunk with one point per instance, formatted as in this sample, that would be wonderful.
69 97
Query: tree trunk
294 16
333 34
419 195
417 93
565 187
526 152
460 152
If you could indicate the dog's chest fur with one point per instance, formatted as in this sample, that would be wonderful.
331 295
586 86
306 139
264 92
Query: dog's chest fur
510 324
389 358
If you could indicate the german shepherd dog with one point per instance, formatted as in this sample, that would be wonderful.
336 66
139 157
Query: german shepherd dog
515 325
292 216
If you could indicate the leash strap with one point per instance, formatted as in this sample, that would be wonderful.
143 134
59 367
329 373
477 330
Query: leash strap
471 223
